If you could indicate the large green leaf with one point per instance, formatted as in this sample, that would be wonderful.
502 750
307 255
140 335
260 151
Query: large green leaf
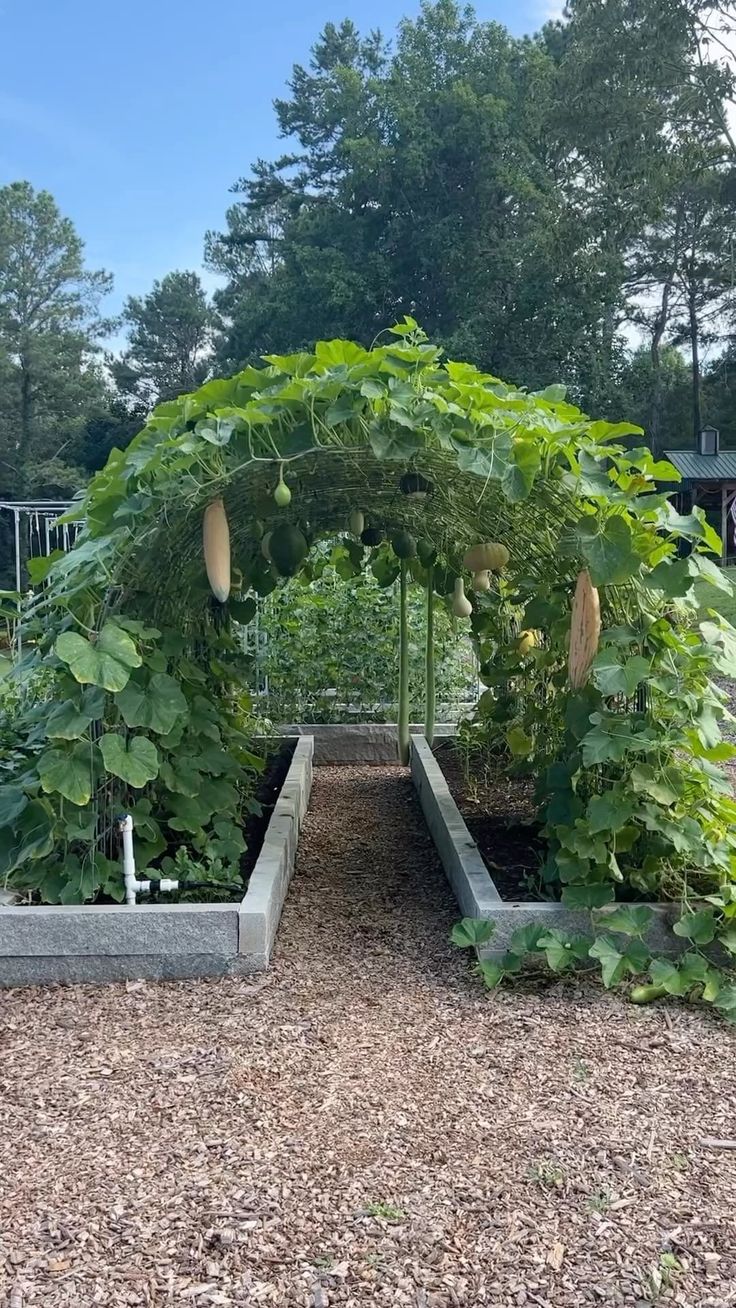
519 476
563 949
617 959
30 837
525 939
679 978
723 638
593 895
68 772
725 1002
667 974
662 784
188 814
81 880
135 761
608 550
471 931
13 800
489 461
106 661
70 720
672 577
699 927
156 704
629 919
615 676
608 740
181 775
519 742
390 442
609 811
491 972
701 567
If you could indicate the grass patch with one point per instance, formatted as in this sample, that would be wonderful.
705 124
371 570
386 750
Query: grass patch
710 598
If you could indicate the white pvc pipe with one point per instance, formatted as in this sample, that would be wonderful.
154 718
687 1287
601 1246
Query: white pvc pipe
133 886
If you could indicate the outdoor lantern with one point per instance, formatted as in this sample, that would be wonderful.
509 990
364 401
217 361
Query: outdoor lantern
710 439
415 486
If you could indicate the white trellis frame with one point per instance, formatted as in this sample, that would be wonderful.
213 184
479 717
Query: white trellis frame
36 534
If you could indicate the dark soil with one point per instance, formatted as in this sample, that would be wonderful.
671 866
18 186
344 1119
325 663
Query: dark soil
500 814
269 787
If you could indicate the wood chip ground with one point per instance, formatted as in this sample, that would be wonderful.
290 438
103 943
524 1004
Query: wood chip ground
363 1125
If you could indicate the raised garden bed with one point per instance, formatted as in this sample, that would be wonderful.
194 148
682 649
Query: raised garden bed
501 817
113 942
476 891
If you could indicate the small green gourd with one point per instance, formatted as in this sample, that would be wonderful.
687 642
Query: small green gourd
282 494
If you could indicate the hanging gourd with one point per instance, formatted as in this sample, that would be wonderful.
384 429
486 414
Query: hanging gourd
216 549
415 486
404 545
282 494
585 630
371 536
489 556
526 642
481 580
461 606
288 549
429 685
356 522
403 706
265 544
426 553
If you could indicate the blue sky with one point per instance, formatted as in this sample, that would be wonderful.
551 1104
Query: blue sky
138 117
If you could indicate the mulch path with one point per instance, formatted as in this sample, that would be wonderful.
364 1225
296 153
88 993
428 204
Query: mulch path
363 1125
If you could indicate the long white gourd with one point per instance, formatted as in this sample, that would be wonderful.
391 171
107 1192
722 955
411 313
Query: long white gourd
585 630
216 546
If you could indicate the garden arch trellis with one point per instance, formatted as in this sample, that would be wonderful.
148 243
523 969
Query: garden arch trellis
143 664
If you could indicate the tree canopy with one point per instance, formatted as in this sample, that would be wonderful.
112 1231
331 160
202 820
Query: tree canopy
537 203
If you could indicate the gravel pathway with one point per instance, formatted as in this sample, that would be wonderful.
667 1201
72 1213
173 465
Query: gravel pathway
363 1125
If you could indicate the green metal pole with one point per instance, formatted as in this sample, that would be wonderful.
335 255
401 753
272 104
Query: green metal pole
403 723
429 689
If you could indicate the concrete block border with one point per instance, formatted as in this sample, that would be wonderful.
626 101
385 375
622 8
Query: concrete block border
473 885
259 912
50 944
359 742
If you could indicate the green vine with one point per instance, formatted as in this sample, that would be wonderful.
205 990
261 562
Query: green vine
143 680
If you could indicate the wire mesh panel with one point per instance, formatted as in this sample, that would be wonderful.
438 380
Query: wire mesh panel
37 533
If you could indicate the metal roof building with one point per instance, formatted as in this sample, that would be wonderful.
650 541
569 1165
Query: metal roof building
709 481
704 467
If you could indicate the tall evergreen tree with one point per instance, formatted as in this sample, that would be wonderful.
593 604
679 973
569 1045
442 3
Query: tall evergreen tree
170 339
50 332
